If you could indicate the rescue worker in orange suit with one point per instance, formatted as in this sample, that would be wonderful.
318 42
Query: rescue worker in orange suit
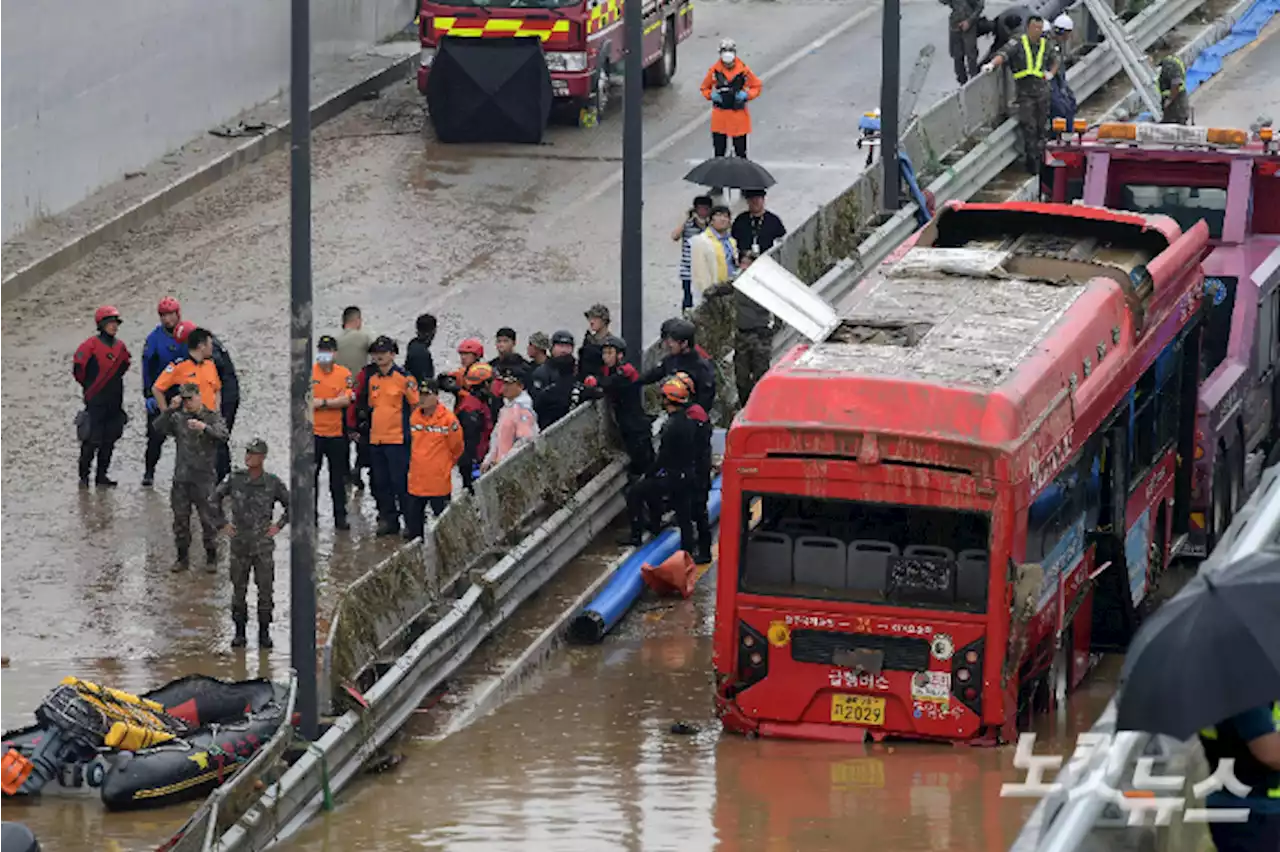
197 369
619 383
99 366
475 415
437 444
332 391
671 478
389 394
729 84
161 349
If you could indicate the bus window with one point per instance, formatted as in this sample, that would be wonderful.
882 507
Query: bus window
1186 205
1168 398
1220 292
809 547
1077 491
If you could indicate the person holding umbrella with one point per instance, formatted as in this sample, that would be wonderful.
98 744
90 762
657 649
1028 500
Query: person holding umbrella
1208 662
729 84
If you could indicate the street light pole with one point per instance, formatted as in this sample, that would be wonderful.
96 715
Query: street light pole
632 181
890 66
302 504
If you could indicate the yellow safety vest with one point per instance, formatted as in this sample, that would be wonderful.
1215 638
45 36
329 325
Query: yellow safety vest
1182 69
1211 734
1034 66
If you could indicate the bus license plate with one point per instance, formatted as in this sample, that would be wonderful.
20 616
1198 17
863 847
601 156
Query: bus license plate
857 710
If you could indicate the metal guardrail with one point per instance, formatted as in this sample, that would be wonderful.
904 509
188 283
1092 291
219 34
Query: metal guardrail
1063 821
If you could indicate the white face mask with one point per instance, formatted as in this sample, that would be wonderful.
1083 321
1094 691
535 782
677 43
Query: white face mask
324 357
728 56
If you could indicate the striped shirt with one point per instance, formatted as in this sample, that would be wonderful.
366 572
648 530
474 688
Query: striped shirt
691 230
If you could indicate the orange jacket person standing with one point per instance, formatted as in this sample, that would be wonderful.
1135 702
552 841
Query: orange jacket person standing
729 84
198 369
437 446
332 391
391 394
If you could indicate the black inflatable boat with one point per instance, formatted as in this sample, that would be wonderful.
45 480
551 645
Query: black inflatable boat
172 744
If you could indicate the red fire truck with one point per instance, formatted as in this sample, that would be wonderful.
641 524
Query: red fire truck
1230 179
582 40
934 513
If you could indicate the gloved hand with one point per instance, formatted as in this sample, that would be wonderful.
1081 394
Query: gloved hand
715 98
475 471
590 382
740 96
152 406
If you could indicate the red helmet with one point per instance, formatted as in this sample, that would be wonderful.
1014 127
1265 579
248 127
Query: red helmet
471 346
105 313
183 329
169 305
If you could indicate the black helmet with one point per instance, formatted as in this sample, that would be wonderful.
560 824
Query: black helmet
613 341
665 331
562 337
681 330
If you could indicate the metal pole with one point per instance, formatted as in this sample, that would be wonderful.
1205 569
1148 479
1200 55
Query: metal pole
632 181
890 68
302 505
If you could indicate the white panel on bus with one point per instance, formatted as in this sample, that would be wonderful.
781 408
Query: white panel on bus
784 295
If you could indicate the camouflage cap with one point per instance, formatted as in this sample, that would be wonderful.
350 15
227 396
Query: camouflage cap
189 391
598 310
539 340
257 446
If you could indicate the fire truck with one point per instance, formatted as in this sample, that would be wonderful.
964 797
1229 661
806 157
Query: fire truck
583 41
1230 179
963 487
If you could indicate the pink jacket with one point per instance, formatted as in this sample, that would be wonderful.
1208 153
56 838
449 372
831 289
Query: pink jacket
516 423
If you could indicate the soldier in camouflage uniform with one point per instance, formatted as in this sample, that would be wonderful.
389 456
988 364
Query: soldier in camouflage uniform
1173 91
963 37
1033 59
254 494
197 432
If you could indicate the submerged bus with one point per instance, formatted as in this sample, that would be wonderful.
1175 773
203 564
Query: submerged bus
934 513
1230 179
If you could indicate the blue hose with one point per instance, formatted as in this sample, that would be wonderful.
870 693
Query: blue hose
626 585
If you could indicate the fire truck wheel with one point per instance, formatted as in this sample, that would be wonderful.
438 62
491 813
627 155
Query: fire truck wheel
592 108
659 74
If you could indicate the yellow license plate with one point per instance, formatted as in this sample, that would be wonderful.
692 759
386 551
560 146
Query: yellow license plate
857 710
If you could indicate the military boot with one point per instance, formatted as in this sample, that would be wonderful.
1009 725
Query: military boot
264 636
240 639
183 562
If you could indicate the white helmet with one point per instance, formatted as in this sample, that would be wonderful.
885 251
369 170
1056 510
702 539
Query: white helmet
728 44
1063 23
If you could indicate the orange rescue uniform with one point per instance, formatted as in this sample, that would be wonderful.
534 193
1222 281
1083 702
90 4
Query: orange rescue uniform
188 372
330 384
390 399
731 122
437 446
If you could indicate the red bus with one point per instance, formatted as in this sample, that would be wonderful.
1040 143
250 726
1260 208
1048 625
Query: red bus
1230 179
935 514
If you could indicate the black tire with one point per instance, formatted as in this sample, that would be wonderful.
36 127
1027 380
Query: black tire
592 110
659 74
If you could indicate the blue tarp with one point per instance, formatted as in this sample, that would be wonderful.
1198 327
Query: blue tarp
1246 30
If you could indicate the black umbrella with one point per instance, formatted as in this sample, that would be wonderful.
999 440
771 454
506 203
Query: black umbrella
731 172
1209 653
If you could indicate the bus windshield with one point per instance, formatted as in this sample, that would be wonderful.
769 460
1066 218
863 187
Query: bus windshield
1186 205
913 556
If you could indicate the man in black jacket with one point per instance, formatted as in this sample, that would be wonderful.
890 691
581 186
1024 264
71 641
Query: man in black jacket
756 228
417 358
619 383
230 401
683 357
672 477
554 385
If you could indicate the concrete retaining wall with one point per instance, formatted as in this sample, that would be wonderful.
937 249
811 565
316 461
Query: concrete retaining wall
94 90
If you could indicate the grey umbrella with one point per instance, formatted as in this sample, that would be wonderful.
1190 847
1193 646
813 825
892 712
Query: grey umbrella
1209 653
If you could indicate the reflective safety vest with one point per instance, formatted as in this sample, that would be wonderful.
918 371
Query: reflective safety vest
1225 742
1034 66
1182 72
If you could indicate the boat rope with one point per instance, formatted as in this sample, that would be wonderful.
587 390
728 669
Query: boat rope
315 749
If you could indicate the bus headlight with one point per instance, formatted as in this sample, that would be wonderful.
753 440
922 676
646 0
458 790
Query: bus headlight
566 60
753 656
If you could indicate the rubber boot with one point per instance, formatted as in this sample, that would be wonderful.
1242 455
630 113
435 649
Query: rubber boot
264 636
240 639
104 465
211 559
183 562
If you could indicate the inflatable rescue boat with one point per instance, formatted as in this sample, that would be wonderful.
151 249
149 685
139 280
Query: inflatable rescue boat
169 745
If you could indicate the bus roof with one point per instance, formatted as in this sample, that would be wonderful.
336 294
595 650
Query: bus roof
970 333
